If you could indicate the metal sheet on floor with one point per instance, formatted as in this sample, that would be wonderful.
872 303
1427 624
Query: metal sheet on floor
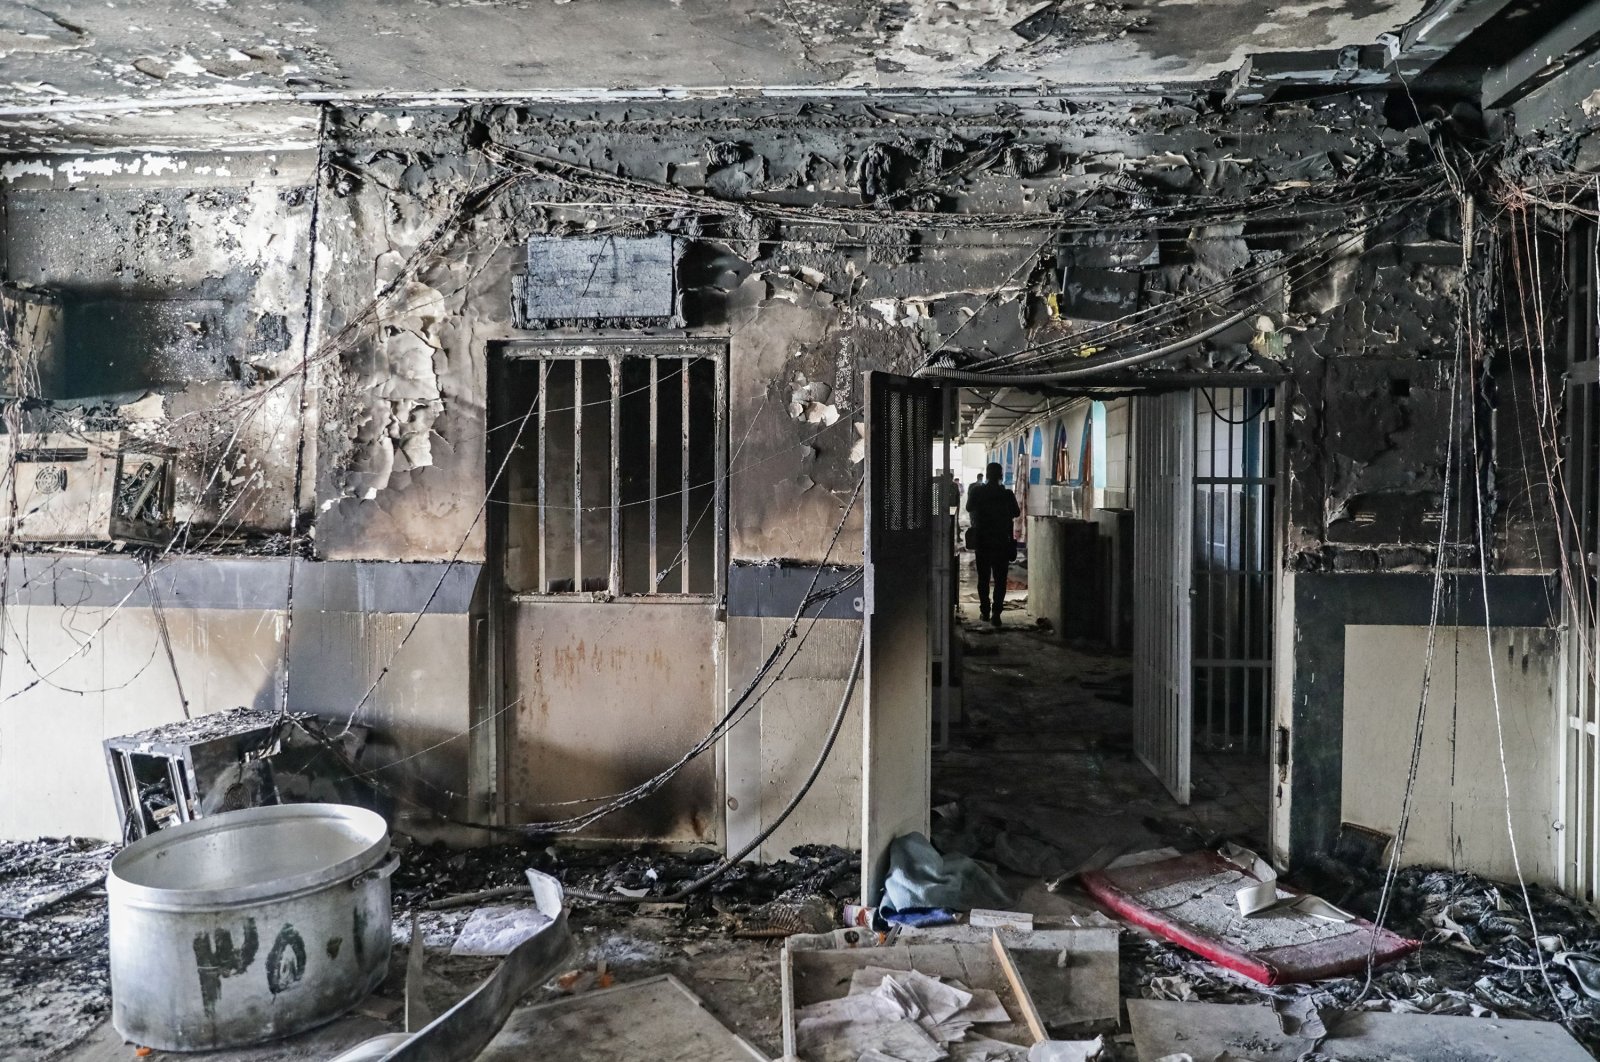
654 1020
1206 1030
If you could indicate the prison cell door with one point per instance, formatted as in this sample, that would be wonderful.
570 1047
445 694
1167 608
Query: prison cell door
609 520
899 530
1163 541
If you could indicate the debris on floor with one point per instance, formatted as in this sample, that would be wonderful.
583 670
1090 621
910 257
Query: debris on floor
497 930
35 875
465 1029
1071 974
1207 1031
921 879
654 1020
55 976
962 992
1031 837
902 1014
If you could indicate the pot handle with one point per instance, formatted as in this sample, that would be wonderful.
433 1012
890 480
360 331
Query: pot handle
377 873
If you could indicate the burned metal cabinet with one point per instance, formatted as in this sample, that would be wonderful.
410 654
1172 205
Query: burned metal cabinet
900 527
609 538
1163 690
224 761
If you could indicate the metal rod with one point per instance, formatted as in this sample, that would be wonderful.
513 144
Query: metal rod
577 476
1213 579
655 428
720 475
683 497
544 444
1228 542
1249 564
614 581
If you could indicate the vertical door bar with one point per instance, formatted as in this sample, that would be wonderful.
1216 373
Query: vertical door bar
719 488
683 498
614 581
577 476
945 567
544 442
1589 548
655 426
1215 581
1568 875
1229 577
1181 671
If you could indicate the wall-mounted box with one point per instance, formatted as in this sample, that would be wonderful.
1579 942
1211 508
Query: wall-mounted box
577 279
85 487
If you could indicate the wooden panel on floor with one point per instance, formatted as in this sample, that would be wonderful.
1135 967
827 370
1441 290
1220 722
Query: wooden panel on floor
654 1020
1071 974
1205 1030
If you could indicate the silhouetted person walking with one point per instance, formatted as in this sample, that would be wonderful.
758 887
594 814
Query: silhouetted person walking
992 508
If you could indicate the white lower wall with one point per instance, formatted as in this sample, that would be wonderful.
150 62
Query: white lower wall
770 752
1458 817
72 677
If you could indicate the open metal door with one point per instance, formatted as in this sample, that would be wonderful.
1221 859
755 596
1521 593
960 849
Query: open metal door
899 529
1163 697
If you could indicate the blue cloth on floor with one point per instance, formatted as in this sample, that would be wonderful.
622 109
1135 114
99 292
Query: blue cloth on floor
920 878
919 916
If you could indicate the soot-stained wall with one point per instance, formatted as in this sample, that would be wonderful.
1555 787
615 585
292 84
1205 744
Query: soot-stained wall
974 227
807 304
179 283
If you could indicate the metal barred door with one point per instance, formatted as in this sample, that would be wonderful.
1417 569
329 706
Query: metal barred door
1163 565
899 530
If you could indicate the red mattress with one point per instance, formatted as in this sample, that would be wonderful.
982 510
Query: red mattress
1122 889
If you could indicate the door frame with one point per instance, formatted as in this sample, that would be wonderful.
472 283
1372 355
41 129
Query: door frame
897 706
493 736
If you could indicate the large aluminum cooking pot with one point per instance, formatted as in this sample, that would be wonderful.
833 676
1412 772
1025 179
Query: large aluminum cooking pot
249 925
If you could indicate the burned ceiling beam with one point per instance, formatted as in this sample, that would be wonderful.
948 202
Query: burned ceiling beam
1570 41
1431 37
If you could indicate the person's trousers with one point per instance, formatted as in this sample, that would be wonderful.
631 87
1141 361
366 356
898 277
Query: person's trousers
992 566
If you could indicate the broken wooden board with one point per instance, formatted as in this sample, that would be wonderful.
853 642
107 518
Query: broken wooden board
1206 1030
1071 974
1019 987
1188 900
654 1020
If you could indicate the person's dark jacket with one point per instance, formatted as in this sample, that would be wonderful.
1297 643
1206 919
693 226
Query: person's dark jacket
992 507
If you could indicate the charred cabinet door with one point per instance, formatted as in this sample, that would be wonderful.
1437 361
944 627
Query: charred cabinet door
1163 566
896 741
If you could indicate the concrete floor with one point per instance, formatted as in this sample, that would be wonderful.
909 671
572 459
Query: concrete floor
1044 719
